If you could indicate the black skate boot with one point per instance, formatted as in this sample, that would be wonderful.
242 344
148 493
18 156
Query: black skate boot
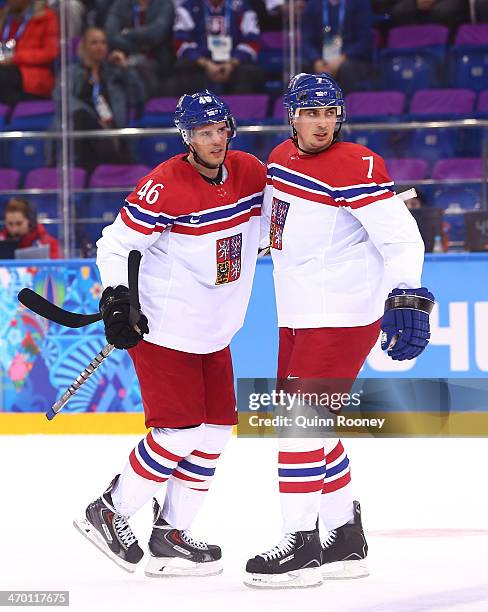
344 550
175 553
110 532
294 563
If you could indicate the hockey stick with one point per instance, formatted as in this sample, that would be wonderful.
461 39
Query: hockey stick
407 195
134 313
50 311
46 309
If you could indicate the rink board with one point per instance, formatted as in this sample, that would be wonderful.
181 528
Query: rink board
39 360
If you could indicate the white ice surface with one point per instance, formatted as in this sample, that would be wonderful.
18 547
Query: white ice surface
424 502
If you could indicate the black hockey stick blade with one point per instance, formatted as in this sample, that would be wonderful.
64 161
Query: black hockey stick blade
38 304
133 280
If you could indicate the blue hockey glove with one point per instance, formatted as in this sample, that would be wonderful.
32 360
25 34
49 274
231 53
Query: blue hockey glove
405 325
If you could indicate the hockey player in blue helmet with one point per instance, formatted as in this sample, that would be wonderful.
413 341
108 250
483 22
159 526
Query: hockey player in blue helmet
199 117
307 96
195 217
347 258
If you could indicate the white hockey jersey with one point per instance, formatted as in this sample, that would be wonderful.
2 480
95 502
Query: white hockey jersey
341 239
199 243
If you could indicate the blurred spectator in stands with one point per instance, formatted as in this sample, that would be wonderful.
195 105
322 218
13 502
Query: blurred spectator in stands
102 90
28 47
217 43
142 31
337 38
415 12
433 233
21 224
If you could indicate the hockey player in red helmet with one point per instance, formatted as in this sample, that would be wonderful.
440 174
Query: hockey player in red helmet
342 243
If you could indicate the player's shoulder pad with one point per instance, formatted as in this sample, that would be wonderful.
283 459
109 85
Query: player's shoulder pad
241 161
354 148
153 189
284 148
353 153
243 157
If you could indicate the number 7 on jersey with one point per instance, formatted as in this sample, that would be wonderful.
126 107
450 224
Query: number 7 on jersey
369 158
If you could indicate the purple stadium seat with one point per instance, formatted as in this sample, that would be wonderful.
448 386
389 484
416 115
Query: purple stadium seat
468 65
48 178
375 104
438 102
472 35
483 102
407 169
159 112
28 109
108 175
38 115
248 106
413 37
9 178
279 111
458 168
161 105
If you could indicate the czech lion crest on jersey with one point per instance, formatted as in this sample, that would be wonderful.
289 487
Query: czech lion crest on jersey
228 254
279 211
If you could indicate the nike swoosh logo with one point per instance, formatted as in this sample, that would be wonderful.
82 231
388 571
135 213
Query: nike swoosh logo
290 377
194 219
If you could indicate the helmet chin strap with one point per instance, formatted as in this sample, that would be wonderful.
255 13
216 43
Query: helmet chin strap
294 139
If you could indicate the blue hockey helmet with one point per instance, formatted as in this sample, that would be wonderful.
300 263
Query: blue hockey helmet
313 90
202 108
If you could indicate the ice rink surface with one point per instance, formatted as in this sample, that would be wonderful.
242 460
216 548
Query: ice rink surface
424 503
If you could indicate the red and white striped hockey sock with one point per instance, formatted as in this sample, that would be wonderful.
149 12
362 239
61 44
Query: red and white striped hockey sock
336 506
301 472
150 464
192 477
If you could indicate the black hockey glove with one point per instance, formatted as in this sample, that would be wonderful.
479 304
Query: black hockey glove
115 306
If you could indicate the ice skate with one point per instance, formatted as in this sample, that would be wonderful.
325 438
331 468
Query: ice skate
293 563
110 531
175 553
344 551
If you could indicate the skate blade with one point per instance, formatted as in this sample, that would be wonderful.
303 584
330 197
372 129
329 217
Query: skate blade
299 579
91 534
345 570
165 567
